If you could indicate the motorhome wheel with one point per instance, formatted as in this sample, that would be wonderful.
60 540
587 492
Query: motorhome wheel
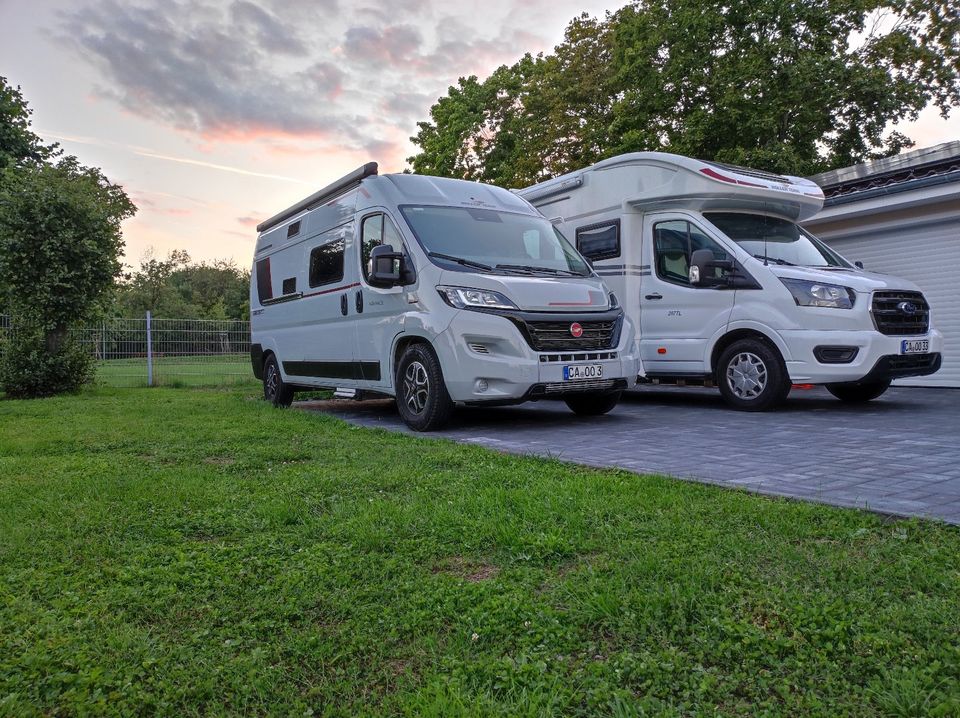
422 398
751 376
592 404
858 393
274 389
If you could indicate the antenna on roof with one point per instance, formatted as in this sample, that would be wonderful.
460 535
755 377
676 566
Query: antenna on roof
321 196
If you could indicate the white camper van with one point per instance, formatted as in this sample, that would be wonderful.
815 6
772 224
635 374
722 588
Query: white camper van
726 289
435 291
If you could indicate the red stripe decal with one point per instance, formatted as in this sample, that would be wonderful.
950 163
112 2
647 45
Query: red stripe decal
723 178
330 291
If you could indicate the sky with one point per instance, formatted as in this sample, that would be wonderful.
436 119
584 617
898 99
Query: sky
215 114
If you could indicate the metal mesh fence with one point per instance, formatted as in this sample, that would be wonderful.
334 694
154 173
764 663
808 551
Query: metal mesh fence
165 352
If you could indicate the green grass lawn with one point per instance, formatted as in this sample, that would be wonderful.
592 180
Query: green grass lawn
177 371
189 552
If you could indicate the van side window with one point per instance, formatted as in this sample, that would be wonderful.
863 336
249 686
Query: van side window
673 243
264 281
599 241
326 263
377 229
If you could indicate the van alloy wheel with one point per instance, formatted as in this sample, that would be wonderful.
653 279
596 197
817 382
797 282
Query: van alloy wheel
273 382
747 375
416 387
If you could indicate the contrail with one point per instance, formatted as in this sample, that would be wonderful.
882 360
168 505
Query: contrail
146 152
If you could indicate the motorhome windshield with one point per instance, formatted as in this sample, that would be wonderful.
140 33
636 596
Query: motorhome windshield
472 239
776 240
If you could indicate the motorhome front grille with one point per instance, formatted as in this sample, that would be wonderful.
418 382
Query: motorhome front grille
566 387
901 313
557 336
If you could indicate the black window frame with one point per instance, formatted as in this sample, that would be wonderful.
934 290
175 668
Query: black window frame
599 225
343 262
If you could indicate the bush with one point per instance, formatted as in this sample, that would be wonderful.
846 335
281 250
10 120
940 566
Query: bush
28 370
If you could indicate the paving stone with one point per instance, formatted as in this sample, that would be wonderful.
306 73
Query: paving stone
898 454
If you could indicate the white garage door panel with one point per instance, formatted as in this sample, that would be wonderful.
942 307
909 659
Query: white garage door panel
929 257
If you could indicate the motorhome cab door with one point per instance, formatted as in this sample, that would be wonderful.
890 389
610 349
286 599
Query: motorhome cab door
678 319
378 312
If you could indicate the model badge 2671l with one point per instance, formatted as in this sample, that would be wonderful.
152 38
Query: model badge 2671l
434 291
726 287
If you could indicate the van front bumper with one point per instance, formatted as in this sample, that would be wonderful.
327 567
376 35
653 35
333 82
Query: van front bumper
821 357
486 360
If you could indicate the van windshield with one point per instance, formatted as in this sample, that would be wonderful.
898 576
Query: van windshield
777 240
472 239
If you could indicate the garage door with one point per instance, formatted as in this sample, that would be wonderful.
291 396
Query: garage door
929 256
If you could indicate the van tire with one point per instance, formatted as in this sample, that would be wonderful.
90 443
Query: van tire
422 398
275 390
858 393
751 376
592 404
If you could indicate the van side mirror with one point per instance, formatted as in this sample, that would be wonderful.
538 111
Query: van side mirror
386 266
702 264
858 264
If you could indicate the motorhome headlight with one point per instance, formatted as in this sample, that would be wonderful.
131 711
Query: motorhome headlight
466 298
819 294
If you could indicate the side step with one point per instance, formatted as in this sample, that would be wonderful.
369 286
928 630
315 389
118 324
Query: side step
341 393
677 380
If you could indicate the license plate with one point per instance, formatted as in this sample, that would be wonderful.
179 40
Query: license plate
574 372
914 346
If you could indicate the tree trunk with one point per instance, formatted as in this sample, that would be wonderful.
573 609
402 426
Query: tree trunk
56 338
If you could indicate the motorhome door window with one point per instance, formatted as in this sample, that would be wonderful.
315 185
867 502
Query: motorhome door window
377 229
326 263
673 244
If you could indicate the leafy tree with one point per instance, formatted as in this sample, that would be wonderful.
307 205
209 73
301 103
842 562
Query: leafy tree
793 87
60 244
18 144
175 288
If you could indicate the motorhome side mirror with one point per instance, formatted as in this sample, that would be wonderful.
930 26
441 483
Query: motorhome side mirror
702 264
858 265
386 266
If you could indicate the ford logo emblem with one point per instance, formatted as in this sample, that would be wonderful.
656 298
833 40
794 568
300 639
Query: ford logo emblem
908 308
576 331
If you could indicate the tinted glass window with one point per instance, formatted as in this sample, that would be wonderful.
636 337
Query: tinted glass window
674 242
264 283
780 240
474 239
326 263
377 229
599 241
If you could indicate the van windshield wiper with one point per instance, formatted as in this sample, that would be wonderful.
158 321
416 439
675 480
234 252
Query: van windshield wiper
548 270
461 260
775 260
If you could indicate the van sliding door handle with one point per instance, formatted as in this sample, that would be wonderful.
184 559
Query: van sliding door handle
343 304
654 296
359 302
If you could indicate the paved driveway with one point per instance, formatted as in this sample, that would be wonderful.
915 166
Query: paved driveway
898 454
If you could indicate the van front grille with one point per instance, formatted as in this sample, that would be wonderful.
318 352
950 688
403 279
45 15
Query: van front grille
900 313
556 336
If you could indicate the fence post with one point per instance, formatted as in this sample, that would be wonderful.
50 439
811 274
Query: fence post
149 352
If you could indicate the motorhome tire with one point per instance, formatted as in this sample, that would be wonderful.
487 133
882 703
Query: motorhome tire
422 398
751 376
592 404
858 393
275 390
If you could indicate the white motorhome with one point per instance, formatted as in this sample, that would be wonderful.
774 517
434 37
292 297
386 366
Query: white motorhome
727 289
435 291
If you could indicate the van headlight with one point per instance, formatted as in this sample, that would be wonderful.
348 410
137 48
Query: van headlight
466 298
819 294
